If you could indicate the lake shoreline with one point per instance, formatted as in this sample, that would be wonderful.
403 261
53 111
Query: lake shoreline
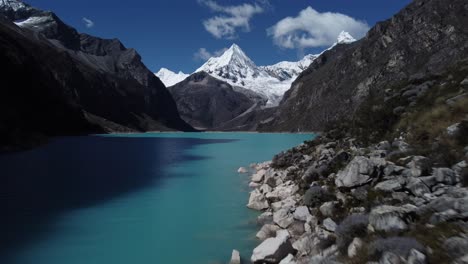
207 132
334 200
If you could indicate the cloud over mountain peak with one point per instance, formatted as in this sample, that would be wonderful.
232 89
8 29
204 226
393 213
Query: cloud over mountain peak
311 29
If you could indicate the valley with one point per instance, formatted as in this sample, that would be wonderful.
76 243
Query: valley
351 147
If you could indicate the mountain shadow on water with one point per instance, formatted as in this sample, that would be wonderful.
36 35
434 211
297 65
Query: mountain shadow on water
78 172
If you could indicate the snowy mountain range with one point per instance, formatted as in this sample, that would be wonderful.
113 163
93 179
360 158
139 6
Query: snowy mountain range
237 69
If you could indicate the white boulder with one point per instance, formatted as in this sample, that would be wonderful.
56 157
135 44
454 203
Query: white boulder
390 218
416 257
289 202
265 188
282 192
267 231
258 176
235 257
265 218
358 172
302 213
419 165
328 208
273 250
283 218
257 201
242 170
453 129
305 244
445 175
329 225
354 247
288 260
388 186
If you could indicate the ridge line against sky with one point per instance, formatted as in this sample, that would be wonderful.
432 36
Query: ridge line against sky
182 34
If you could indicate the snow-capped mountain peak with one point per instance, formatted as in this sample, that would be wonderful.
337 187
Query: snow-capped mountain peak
237 69
345 38
233 58
235 55
170 78
14 5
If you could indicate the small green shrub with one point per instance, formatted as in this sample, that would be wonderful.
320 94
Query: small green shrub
434 238
354 225
398 245
464 177
316 195
285 159
462 135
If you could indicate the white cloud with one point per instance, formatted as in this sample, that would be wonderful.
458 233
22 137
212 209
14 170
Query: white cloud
203 54
88 22
314 29
230 18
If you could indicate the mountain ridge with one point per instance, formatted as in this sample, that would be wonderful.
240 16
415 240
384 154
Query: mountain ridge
408 48
235 67
206 102
104 84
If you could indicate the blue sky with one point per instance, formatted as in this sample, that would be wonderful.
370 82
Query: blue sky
178 34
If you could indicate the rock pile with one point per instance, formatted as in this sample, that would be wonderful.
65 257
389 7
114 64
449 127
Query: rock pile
335 202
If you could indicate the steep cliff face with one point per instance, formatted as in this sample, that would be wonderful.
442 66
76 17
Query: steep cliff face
420 42
34 103
393 112
61 82
206 102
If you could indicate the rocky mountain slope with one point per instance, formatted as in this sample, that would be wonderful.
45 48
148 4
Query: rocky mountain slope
34 106
335 201
386 182
60 81
416 45
206 102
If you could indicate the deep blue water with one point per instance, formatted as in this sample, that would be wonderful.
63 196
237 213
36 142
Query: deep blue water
139 198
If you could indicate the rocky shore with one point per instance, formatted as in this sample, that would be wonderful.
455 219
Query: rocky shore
333 201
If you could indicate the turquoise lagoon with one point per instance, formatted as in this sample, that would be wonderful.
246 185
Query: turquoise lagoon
133 198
